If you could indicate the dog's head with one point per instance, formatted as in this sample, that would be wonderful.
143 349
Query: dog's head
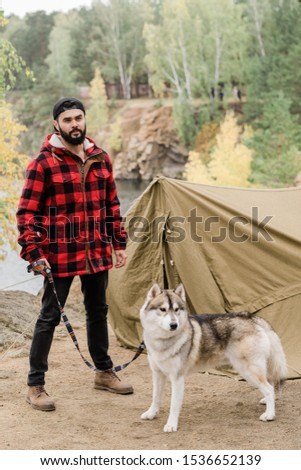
164 309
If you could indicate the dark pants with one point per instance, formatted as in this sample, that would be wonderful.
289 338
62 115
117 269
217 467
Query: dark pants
94 293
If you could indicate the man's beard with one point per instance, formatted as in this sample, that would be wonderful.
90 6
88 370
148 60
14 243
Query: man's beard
73 140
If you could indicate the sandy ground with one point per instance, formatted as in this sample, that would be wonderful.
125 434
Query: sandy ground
218 412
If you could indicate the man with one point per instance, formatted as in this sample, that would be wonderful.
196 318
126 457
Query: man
68 219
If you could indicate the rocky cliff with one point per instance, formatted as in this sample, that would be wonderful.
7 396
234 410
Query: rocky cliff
150 144
19 311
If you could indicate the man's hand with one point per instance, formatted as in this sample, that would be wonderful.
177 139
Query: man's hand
120 258
40 267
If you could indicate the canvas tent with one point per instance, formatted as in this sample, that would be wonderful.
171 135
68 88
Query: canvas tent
234 249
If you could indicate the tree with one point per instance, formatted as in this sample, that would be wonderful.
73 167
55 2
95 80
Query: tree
117 39
224 41
11 172
59 58
11 161
196 44
82 57
97 114
285 50
275 69
10 63
184 116
195 170
276 144
31 41
256 10
230 163
35 104
169 51
170 58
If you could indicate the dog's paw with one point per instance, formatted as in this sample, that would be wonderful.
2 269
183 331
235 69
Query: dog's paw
149 414
267 417
170 427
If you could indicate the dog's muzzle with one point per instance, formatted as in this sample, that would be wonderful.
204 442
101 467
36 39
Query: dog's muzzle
173 325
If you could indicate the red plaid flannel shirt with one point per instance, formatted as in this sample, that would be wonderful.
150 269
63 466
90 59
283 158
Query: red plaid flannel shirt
69 212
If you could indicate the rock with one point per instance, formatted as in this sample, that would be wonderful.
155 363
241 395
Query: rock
151 145
19 311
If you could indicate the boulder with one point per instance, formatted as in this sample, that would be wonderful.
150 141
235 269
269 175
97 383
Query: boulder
150 145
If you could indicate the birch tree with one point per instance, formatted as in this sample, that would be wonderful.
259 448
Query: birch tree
117 38
225 42
257 16
197 44
171 50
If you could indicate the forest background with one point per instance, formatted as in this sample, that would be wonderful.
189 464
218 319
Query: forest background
229 68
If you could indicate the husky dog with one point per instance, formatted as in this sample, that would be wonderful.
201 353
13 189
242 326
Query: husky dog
176 342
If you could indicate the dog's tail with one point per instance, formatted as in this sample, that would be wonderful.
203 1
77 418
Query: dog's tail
277 366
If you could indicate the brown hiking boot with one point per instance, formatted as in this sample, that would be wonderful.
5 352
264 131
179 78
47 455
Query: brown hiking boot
39 399
108 380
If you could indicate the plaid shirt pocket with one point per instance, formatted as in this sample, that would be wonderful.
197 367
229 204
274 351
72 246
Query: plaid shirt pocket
65 188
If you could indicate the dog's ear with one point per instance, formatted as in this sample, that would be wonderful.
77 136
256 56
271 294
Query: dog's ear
154 291
180 291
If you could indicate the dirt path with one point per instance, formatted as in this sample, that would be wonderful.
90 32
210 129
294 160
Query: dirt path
218 412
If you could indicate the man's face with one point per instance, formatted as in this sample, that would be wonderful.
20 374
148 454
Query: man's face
72 126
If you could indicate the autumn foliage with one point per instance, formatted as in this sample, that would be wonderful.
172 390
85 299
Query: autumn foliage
230 158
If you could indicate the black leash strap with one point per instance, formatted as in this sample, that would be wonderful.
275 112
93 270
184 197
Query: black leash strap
137 354
47 273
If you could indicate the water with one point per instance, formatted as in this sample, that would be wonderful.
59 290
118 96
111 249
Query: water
128 191
13 268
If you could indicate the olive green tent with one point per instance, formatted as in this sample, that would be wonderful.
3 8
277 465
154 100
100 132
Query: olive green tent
234 249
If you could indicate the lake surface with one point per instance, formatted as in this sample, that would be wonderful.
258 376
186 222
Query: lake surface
128 191
13 268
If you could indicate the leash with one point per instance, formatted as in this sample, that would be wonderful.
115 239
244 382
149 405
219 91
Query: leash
47 273
16 284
